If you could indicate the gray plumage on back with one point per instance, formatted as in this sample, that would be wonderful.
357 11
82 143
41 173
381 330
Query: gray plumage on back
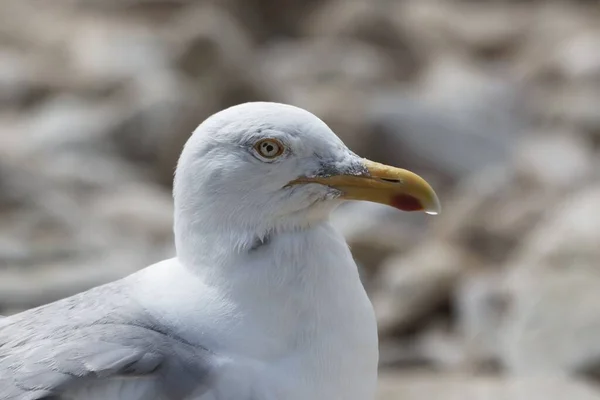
55 349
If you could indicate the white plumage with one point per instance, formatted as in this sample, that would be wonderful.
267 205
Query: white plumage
263 300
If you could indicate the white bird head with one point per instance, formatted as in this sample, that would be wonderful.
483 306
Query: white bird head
259 167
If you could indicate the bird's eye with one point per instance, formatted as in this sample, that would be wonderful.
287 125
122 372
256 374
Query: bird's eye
269 148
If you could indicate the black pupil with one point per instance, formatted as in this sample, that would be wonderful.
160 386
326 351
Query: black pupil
269 147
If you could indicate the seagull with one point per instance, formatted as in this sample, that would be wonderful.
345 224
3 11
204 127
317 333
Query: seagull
263 300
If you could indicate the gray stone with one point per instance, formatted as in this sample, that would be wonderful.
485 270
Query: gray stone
491 211
458 121
553 324
419 386
481 303
111 50
536 160
411 286
367 21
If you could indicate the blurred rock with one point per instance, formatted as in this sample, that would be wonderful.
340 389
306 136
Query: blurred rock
578 58
481 303
415 284
492 30
265 19
474 205
575 105
111 49
418 386
138 211
496 206
68 139
456 122
435 348
536 155
561 65
554 324
560 44
16 88
206 41
370 22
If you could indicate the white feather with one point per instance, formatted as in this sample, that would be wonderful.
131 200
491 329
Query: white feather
290 319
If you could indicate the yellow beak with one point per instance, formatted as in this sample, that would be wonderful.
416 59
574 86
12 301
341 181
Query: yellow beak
383 184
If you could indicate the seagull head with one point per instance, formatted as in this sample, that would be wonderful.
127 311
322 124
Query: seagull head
260 167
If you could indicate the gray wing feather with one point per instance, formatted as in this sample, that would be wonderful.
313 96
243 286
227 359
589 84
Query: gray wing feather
94 335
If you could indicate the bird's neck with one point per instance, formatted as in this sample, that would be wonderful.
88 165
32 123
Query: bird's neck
297 301
203 240
298 284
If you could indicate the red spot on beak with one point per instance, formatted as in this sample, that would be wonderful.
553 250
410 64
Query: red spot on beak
406 202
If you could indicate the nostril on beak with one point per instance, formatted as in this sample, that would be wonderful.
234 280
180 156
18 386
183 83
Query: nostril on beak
390 180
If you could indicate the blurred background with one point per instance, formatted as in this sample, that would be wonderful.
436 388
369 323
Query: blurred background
496 103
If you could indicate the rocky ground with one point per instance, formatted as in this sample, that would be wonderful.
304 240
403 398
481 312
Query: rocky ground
497 103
